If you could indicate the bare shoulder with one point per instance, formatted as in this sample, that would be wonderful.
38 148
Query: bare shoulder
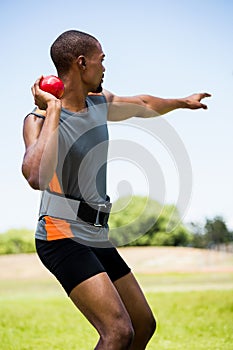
124 107
98 95
31 128
108 95
112 98
32 120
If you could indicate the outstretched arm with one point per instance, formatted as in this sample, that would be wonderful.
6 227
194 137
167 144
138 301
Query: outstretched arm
41 139
146 106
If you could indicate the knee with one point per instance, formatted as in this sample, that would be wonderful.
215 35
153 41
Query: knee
124 335
120 336
152 326
146 328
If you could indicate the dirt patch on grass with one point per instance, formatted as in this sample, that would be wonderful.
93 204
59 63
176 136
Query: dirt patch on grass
146 260
177 259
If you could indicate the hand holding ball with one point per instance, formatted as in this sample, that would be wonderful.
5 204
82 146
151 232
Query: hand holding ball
53 85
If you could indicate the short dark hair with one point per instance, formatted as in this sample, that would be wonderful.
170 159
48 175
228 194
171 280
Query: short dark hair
68 46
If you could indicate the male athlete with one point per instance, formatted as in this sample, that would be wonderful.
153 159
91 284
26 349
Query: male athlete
66 153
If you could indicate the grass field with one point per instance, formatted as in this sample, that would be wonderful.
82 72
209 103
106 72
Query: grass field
194 312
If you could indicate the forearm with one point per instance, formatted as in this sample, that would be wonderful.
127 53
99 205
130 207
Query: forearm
41 157
159 106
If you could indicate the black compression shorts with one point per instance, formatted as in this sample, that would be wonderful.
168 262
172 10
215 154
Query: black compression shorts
72 262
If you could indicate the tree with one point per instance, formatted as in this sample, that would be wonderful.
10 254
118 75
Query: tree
216 231
140 221
199 239
17 241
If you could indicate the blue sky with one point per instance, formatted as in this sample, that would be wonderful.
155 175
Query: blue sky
163 48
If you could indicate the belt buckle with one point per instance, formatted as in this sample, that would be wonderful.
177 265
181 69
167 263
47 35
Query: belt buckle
97 223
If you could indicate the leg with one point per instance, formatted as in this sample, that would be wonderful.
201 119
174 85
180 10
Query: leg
85 281
131 294
100 303
139 311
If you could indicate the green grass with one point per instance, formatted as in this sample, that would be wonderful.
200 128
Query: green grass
37 315
193 320
46 323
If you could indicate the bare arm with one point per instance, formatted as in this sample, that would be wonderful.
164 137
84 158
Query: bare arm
146 106
41 140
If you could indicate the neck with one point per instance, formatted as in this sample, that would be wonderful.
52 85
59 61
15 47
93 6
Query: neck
74 98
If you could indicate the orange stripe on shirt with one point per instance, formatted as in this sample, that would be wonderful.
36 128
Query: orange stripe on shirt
54 184
57 228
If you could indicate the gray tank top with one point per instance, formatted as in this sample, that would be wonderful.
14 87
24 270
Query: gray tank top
81 169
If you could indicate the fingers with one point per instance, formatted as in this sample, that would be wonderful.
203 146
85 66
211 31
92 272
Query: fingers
41 98
201 96
205 94
204 106
36 85
36 91
194 101
33 89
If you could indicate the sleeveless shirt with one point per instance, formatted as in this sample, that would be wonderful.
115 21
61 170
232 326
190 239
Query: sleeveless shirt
81 170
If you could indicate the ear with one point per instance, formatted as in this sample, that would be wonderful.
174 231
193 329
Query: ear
81 60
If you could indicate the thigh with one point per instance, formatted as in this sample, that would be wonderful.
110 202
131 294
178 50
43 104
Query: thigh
100 303
134 300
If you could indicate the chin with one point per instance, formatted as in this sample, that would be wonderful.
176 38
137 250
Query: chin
98 89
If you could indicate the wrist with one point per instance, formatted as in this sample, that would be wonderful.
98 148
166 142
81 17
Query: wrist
54 104
183 103
53 109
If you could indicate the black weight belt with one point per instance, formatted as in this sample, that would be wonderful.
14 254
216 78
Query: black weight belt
61 207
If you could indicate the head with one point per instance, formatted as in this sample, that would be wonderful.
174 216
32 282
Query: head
80 50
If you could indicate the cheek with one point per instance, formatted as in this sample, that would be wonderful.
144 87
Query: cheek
91 75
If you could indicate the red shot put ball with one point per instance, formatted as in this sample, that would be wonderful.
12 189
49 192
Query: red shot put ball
53 85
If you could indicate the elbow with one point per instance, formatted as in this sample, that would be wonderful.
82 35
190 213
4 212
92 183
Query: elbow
34 182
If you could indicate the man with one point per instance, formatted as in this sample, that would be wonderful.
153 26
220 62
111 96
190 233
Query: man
66 152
